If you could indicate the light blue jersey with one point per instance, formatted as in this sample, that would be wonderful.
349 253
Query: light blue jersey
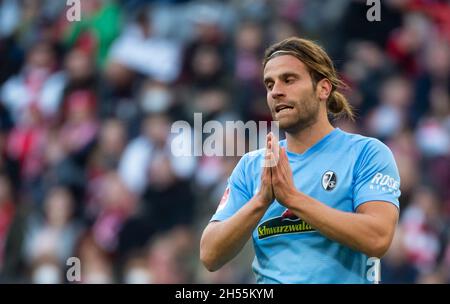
343 171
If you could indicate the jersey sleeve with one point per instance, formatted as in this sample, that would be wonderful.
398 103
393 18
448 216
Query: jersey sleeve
235 195
376 175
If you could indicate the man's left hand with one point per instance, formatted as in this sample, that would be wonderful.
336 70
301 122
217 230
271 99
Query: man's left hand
282 179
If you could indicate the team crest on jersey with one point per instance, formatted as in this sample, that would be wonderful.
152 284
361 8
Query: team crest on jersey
286 223
329 180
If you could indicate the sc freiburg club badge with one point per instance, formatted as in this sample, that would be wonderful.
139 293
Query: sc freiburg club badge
329 180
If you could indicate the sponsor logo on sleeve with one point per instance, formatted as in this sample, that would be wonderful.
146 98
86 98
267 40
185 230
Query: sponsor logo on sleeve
224 200
385 183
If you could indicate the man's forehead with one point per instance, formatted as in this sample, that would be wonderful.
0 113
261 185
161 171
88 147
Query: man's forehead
284 63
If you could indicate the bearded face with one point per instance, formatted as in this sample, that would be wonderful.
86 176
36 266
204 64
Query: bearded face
290 93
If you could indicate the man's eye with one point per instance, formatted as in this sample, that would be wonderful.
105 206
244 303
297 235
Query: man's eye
289 80
269 86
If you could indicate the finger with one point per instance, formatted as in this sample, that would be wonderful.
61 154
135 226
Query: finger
280 169
266 162
284 162
287 171
283 155
266 180
265 173
269 141
275 148
275 170
274 141
270 159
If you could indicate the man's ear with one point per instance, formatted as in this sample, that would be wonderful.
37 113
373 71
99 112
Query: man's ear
323 89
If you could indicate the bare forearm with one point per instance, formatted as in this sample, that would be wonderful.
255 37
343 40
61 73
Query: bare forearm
222 241
361 232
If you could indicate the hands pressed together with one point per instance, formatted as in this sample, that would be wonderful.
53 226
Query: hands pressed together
276 178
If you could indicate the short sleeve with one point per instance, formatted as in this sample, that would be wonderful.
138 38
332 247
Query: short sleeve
376 176
235 195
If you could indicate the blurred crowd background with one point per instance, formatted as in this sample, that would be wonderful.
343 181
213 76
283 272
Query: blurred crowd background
86 110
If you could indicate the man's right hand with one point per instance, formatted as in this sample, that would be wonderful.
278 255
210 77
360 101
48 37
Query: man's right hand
266 194
222 240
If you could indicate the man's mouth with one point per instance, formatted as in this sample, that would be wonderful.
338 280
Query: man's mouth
283 108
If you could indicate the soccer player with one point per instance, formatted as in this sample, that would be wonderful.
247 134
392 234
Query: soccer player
318 204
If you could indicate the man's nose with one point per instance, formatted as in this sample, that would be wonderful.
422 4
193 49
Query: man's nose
277 90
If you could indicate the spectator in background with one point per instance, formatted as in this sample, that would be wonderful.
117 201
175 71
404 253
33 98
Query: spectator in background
249 47
7 212
81 74
247 68
169 257
354 25
395 268
118 92
136 269
160 179
214 103
141 50
423 230
280 30
365 70
8 165
55 233
99 27
80 127
97 266
59 169
109 148
39 84
405 43
11 59
206 67
156 97
391 115
102 165
9 17
407 156
46 269
434 77
205 53
150 150
26 142
113 204
167 196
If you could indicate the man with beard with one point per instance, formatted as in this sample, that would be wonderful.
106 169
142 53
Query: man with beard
322 205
